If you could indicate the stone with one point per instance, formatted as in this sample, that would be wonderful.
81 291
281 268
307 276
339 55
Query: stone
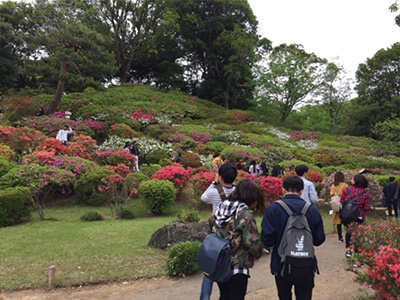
178 231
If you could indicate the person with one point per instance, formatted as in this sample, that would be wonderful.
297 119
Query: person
217 161
388 191
263 168
309 193
234 220
272 228
337 188
68 114
178 158
276 171
239 165
127 147
356 191
62 134
396 197
225 177
135 152
41 111
253 168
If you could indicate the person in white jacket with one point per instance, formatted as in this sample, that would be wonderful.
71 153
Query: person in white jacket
62 134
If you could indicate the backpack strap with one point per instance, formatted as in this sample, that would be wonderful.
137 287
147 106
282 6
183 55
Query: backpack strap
304 210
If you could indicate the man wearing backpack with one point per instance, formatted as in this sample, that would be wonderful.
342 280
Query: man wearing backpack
293 268
221 187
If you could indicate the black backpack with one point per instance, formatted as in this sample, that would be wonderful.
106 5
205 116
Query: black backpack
296 248
350 211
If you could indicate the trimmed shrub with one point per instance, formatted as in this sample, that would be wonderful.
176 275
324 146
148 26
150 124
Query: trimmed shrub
182 259
190 159
87 186
92 216
175 173
122 130
5 165
149 170
158 195
16 204
189 215
155 156
138 177
126 214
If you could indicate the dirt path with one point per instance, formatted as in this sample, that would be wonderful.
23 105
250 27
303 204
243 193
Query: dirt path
334 283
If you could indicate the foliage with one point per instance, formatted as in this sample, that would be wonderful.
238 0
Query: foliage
91 216
15 205
20 139
274 156
5 165
7 152
378 245
149 170
122 130
189 215
272 188
244 175
175 173
86 187
182 259
158 195
202 180
155 156
126 214
121 157
245 153
190 159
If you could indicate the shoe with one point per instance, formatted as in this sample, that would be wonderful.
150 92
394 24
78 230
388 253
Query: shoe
341 240
348 253
358 265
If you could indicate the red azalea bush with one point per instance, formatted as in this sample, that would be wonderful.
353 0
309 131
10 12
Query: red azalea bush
122 130
238 116
83 146
272 187
121 157
120 169
21 139
42 157
378 245
244 175
190 159
314 176
202 180
52 144
175 173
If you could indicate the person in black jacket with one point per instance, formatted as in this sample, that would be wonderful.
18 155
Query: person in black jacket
388 190
135 151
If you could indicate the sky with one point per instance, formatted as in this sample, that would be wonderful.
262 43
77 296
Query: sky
346 32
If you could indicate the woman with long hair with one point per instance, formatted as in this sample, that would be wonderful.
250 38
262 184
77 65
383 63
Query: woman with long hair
253 168
234 220
358 193
337 189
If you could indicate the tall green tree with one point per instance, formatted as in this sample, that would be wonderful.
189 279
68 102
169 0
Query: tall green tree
220 43
334 91
63 41
287 76
378 88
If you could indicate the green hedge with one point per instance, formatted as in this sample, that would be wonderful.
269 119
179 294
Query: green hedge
16 205
158 195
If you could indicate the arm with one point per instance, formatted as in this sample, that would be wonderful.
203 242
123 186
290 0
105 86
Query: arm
268 232
343 196
317 226
366 201
209 194
250 239
313 195
331 192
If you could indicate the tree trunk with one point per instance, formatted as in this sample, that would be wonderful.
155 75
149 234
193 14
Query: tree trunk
60 89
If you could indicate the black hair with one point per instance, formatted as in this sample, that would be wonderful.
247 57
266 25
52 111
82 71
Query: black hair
293 184
339 177
228 172
301 169
360 181
248 192
391 179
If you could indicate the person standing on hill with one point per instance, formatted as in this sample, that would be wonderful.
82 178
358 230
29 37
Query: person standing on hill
388 190
62 134
135 152
309 193
337 189
221 187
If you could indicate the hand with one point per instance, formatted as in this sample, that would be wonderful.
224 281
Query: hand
216 178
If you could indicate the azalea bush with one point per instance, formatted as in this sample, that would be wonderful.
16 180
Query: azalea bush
122 130
202 180
20 139
7 152
272 187
244 175
245 153
175 173
52 145
121 157
378 245
83 146
190 159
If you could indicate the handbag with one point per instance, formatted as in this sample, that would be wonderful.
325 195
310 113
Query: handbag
335 201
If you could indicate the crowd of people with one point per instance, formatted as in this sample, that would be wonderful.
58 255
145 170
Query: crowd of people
232 217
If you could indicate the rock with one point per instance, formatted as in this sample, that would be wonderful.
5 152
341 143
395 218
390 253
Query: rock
178 231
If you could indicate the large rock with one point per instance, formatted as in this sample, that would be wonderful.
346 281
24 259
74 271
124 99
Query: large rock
178 231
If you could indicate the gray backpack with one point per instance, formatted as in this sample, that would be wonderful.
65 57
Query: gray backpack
296 248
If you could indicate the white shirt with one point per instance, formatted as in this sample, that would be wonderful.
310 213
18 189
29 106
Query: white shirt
212 196
62 134
309 193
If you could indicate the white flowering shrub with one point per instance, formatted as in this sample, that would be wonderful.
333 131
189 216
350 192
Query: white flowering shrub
163 119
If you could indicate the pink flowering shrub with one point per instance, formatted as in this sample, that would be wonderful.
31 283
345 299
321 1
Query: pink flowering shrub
83 146
6 152
76 165
41 157
143 113
271 186
202 180
238 116
378 245
53 145
21 139
174 173
121 157
120 169
301 135
244 175
190 159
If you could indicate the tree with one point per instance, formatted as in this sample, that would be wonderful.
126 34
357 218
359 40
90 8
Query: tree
220 44
395 8
81 53
287 76
334 91
378 87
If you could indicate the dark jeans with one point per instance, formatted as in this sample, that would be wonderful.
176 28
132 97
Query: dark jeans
234 289
339 231
348 233
303 291
390 203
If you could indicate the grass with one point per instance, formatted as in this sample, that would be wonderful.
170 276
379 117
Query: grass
87 252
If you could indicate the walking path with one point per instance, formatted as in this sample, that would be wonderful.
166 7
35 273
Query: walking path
334 283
